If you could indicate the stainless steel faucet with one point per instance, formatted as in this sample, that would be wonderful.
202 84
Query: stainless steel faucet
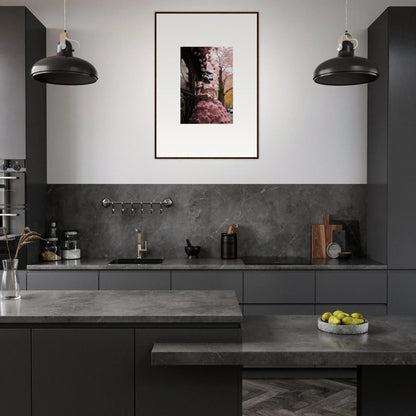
140 251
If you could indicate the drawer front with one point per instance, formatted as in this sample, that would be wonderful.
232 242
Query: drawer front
364 308
298 309
62 280
402 292
351 286
209 280
279 287
135 280
21 274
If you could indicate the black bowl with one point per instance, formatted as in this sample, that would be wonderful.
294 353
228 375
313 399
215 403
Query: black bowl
192 251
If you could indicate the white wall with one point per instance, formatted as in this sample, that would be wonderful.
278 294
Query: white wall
104 133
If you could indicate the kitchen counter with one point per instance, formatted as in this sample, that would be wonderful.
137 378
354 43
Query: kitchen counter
295 339
125 307
88 353
385 357
214 264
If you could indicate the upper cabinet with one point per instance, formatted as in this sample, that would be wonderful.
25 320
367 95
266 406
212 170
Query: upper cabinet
391 139
22 100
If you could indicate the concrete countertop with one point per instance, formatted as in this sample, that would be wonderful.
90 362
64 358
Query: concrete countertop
123 307
295 340
213 264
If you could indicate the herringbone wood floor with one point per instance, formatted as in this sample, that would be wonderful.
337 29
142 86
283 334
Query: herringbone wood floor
293 397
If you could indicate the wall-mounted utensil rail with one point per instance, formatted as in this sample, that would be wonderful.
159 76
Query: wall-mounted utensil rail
134 206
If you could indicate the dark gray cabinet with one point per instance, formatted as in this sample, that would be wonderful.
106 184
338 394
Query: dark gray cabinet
21 274
175 387
15 380
82 372
355 287
22 99
135 280
209 280
364 308
279 287
402 292
62 280
280 309
391 140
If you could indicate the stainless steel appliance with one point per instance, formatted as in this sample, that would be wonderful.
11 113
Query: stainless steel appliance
13 205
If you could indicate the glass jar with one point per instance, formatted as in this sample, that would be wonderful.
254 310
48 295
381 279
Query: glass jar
51 250
70 248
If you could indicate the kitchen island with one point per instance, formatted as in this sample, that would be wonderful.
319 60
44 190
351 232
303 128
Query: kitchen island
88 353
385 356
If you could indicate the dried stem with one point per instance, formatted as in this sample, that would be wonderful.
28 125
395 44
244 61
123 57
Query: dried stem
7 243
26 237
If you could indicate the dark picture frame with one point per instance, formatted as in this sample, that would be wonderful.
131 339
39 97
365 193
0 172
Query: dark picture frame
231 132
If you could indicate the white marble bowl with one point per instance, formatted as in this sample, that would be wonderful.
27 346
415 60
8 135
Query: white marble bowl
343 329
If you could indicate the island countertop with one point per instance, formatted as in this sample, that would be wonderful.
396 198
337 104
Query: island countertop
121 307
295 339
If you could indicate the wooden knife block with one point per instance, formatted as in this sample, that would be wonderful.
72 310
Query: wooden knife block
322 236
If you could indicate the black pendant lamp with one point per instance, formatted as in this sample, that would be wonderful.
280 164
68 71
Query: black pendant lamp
346 68
64 68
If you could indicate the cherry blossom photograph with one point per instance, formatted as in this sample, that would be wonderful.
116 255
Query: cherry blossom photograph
206 85
206 75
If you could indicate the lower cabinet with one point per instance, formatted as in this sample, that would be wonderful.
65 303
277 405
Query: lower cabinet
62 280
15 380
180 390
21 274
209 280
135 280
402 292
298 309
364 308
81 372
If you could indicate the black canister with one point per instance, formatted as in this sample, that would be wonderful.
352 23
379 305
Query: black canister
228 246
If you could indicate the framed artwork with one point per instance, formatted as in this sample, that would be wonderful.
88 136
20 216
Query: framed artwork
206 85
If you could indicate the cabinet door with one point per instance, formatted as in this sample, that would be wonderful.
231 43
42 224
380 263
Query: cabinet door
298 309
135 280
15 372
82 372
279 287
364 308
62 280
402 292
364 286
22 279
12 89
209 280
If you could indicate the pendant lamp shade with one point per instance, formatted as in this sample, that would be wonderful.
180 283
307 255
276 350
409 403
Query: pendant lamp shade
346 69
64 69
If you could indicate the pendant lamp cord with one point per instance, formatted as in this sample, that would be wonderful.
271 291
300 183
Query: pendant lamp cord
64 15
346 16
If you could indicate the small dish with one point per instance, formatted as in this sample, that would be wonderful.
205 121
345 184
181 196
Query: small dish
333 250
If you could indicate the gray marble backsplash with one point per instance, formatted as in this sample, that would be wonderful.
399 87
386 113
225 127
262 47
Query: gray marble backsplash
274 219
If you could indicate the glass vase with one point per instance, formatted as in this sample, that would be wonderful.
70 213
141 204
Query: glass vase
10 287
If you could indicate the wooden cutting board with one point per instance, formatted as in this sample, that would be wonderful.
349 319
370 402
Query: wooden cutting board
322 236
